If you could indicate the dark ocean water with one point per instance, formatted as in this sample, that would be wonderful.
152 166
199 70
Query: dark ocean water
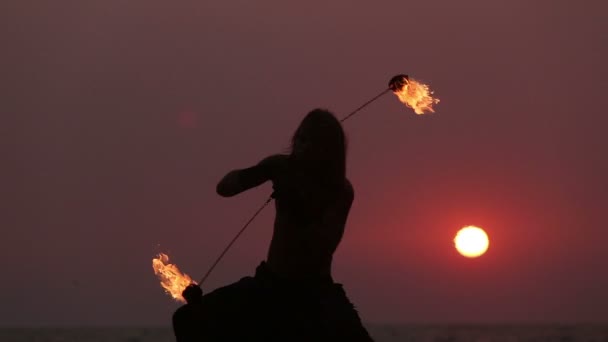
381 333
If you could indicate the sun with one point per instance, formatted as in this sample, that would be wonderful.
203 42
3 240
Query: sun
471 241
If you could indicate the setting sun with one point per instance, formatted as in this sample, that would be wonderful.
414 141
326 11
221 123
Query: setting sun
471 241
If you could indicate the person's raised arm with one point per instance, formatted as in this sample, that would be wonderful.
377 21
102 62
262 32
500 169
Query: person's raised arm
237 181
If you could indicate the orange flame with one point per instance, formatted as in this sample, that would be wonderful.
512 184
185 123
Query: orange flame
417 96
171 278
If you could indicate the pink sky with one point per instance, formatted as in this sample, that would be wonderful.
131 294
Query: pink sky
120 117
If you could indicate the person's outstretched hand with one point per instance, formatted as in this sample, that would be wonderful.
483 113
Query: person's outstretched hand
193 294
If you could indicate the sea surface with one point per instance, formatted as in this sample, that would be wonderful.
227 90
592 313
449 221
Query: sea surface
381 333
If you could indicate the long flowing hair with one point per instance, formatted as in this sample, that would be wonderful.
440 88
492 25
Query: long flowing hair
318 148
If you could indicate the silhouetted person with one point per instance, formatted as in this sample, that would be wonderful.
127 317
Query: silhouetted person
292 296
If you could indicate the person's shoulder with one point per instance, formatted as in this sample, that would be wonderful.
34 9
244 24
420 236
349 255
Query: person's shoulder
275 159
274 164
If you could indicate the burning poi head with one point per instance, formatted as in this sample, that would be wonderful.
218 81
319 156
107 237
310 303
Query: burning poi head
171 278
397 82
413 94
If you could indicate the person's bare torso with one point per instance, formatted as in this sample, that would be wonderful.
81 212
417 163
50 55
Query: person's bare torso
307 228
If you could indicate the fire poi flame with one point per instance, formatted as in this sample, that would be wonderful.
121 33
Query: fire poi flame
413 94
171 278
